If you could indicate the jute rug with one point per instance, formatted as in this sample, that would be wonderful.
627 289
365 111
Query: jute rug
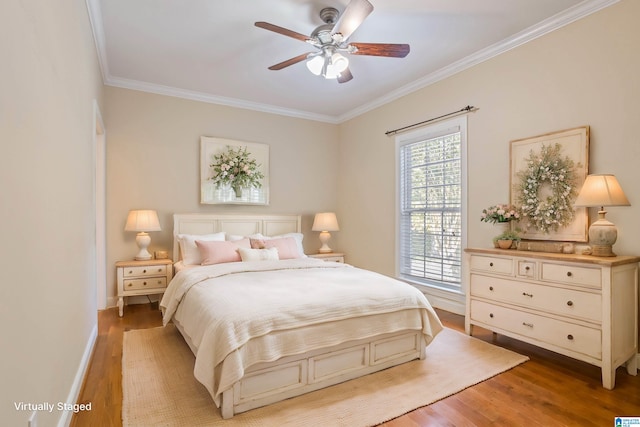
159 388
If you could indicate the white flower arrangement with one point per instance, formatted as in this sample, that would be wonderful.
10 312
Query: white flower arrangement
500 213
559 173
236 168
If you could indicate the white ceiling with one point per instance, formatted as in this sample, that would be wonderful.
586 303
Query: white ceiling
210 50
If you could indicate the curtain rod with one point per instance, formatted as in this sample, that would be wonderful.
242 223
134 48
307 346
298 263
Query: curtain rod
465 110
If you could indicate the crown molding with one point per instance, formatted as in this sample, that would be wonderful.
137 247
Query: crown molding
219 100
551 24
579 11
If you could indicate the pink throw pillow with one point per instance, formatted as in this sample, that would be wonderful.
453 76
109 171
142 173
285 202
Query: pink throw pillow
286 246
213 252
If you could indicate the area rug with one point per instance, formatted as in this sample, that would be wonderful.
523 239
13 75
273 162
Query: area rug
159 388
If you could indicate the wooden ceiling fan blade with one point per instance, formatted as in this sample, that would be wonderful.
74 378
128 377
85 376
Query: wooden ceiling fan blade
345 76
289 62
381 49
280 30
355 13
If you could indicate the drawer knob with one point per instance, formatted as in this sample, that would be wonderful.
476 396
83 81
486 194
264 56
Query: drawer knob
491 315
159 270
527 268
569 274
570 303
144 271
129 285
130 271
570 337
144 283
490 288
490 264
527 295
529 325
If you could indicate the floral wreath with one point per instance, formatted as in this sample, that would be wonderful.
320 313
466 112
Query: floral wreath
554 211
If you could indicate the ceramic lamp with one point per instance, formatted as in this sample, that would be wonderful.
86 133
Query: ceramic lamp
142 221
324 223
602 190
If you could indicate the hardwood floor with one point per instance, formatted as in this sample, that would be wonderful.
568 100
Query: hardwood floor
549 390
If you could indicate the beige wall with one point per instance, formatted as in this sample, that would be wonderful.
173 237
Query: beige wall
153 162
49 78
583 74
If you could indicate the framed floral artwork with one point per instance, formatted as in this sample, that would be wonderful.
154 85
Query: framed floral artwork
233 172
546 175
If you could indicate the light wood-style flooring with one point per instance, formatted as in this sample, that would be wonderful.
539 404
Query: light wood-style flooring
549 390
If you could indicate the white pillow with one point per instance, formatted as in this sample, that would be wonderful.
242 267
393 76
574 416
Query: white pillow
270 254
189 251
297 237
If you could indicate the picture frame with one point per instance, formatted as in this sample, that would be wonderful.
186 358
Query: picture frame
211 193
574 145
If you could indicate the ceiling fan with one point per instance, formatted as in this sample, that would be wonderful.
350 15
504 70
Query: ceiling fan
332 40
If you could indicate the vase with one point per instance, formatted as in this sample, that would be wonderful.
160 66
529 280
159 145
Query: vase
505 244
238 190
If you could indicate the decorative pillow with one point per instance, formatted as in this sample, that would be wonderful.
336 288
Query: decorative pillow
216 252
297 237
286 246
270 254
188 249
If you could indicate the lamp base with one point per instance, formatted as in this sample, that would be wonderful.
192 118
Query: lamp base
602 250
602 235
324 238
143 239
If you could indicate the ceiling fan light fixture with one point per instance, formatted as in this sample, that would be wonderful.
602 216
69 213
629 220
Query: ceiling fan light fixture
328 67
316 64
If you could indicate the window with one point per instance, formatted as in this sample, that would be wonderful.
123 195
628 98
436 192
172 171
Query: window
430 204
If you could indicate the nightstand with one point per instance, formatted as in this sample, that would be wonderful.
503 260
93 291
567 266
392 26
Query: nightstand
331 257
142 278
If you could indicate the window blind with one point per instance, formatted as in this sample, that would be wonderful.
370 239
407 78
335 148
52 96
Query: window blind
430 226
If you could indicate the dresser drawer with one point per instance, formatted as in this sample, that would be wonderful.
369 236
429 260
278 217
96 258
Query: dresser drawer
149 270
570 274
491 264
565 302
150 283
576 338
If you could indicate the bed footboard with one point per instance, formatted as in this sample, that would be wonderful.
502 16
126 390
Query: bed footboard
268 383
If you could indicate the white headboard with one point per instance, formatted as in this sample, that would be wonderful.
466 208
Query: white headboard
243 225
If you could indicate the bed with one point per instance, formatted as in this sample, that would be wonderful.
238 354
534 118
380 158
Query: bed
267 323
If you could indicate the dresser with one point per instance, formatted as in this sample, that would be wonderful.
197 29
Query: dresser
142 278
581 306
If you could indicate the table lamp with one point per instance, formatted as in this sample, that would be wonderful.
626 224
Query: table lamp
324 223
602 190
142 221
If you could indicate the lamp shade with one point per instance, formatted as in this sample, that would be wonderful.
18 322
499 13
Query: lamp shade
142 220
601 190
325 221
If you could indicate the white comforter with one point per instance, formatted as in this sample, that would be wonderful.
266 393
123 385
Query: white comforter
243 313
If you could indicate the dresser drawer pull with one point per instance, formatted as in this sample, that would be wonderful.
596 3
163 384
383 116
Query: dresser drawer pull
570 303
159 270
529 325
491 315
490 264
144 271
527 268
491 288
130 284
144 283
570 337
527 295
569 274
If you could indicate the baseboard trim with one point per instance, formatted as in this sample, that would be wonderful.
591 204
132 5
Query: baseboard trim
76 386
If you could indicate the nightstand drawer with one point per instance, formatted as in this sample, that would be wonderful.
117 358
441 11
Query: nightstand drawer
150 283
147 270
